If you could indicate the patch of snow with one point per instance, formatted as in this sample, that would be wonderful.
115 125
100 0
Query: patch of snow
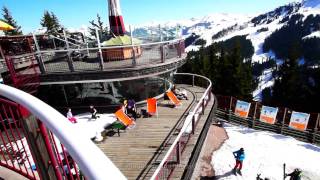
265 80
90 127
265 153
310 7
312 35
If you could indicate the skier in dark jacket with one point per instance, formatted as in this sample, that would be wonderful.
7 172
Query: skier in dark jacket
239 156
295 175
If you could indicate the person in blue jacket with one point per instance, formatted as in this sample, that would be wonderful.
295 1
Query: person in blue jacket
239 156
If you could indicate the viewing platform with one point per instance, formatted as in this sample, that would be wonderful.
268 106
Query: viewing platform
84 64
139 151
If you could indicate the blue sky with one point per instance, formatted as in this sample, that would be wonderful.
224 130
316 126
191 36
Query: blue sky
74 13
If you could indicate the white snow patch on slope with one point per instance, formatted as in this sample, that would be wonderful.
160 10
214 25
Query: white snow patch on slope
265 80
312 35
265 153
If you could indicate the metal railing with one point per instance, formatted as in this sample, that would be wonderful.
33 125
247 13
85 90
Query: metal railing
104 58
77 149
173 155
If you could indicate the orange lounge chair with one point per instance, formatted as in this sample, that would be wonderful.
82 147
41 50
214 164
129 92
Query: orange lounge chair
126 120
152 107
173 98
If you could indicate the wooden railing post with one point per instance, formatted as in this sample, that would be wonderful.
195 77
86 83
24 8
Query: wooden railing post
283 120
229 115
230 104
254 115
193 124
38 54
203 106
315 130
162 53
192 80
178 152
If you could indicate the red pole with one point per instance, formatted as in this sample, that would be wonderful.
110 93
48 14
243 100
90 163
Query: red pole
54 163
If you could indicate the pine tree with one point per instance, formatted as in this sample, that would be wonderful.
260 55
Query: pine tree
103 30
51 22
9 19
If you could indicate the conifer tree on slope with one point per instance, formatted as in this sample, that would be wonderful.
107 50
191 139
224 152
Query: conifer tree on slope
288 87
51 22
7 17
103 30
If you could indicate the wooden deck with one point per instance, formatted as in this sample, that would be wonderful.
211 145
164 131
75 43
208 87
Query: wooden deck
136 151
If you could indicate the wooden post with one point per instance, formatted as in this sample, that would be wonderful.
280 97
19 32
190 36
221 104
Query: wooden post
192 80
70 62
315 130
38 148
178 152
283 120
230 105
193 124
38 54
254 114
203 106
162 53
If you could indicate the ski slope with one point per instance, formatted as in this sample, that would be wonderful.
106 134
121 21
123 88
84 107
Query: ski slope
265 153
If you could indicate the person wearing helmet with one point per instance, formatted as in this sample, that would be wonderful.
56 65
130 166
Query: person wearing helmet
239 156
295 175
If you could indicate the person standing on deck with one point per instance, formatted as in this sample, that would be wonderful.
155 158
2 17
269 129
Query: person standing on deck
93 112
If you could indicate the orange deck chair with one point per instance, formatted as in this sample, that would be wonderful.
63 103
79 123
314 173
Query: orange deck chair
173 98
124 119
152 107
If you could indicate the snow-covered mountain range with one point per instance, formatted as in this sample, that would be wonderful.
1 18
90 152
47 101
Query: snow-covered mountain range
303 17
222 26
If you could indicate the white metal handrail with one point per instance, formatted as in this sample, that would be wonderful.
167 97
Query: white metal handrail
91 160
193 113
113 47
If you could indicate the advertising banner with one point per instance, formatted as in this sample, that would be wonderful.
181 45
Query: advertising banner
299 120
242 109
268 114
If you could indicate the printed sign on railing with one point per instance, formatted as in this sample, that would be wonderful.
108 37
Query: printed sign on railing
268 114
299 120
242 109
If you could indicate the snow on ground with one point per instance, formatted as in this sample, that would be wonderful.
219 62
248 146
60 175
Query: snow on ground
265 153
91 127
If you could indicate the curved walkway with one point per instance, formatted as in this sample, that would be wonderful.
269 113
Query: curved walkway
133 150
214 140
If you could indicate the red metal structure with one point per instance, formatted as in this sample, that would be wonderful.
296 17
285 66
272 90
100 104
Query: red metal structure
19 55
15 151
115 18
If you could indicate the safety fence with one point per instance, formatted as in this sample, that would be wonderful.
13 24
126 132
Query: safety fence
67 53
226 112
39 143
174 154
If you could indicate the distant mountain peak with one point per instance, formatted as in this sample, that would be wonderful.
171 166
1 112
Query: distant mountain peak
311 3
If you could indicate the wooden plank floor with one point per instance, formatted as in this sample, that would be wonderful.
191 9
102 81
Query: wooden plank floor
132 151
